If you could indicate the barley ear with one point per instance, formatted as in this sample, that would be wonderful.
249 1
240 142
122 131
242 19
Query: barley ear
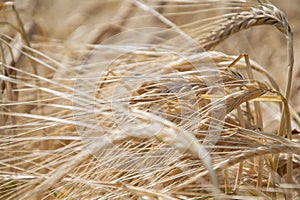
264 14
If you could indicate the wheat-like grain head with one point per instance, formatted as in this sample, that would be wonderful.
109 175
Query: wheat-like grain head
263 15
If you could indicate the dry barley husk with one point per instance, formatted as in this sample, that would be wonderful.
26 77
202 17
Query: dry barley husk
134 127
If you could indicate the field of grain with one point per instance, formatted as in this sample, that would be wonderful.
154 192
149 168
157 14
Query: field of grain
149 99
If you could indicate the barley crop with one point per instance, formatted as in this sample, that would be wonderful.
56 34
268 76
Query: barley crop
141 102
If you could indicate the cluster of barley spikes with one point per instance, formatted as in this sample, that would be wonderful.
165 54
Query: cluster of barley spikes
131 100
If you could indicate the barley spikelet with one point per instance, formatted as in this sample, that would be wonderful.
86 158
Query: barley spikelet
263 15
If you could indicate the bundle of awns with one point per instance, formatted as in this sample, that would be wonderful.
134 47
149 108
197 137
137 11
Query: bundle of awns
142 102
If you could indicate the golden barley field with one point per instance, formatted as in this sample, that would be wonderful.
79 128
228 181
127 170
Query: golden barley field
149 99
